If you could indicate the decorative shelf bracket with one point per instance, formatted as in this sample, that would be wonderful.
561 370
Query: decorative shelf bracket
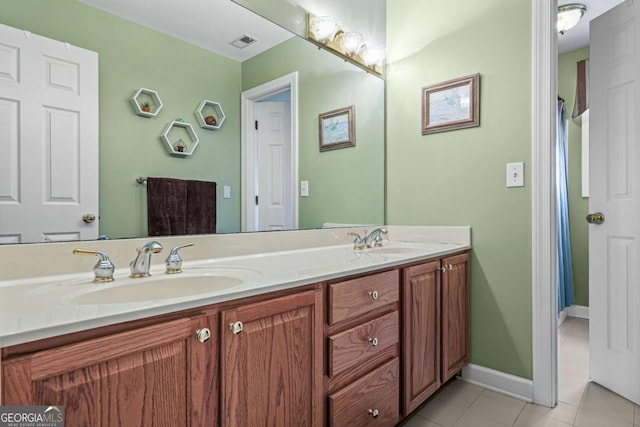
146 102
176 145
210 115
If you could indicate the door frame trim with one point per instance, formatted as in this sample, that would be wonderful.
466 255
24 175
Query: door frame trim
248 100
544 223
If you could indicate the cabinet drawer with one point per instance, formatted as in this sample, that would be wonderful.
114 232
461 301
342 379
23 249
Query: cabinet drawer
354 346
377 392
355 297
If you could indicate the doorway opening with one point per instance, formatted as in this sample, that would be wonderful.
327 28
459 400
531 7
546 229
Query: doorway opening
269 196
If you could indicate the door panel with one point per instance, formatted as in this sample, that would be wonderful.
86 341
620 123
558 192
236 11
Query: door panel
614 255
49 139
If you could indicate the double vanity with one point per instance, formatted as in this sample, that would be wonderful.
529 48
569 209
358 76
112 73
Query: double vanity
291 328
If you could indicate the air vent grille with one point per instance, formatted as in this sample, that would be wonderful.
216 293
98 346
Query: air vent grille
243 41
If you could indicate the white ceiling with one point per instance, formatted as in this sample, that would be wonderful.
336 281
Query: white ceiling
210 24
578 36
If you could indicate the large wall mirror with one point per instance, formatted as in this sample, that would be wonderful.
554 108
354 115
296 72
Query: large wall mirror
164 45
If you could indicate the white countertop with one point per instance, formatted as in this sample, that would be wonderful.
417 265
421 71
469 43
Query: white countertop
41 307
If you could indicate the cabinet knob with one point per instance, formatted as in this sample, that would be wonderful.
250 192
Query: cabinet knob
450 267
374 413
203 334
443 269
373 295
236 327
373 341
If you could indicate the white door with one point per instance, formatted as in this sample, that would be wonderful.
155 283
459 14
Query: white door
614 250
274 166
48 139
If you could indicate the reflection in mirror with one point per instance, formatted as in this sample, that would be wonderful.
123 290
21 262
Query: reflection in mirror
345 186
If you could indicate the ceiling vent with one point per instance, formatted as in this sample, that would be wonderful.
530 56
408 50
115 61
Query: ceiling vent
243 41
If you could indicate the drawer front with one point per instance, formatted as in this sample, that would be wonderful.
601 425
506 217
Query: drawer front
373 400
355 297
356 345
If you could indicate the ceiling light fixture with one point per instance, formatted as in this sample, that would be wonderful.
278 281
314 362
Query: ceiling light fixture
569 15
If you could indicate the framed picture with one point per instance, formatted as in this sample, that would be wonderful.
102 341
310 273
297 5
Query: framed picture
338 128
451 105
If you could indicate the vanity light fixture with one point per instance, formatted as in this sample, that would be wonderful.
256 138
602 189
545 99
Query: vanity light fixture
569 15
326 32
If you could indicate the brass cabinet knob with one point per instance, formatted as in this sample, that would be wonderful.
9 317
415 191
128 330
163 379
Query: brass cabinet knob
88 218
236 327
595 218
374 413
373 341
203 334
374 295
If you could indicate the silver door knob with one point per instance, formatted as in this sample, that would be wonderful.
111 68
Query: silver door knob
236 327
203 334
595 218
88 218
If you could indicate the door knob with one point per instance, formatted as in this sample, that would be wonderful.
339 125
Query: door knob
595 218
88 218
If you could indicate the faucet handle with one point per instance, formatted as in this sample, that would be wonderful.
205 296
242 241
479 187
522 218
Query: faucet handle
377 238
358 242
174 261
103 270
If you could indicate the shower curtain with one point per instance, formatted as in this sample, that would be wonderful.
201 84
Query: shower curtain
565 269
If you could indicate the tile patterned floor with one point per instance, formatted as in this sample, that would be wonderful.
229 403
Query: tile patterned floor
582 404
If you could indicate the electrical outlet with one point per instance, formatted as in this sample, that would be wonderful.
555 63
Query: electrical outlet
515 174
304 188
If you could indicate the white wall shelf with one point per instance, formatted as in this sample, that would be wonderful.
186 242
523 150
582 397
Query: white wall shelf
180 138
143 96
207 110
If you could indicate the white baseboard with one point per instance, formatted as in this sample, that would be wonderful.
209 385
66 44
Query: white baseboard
578 311
562 316
497 381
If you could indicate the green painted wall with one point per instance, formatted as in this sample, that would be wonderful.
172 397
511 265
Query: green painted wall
345 185
578 205
458 177
130 57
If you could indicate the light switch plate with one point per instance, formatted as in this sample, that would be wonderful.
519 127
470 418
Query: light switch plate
515 174
304 188
227 192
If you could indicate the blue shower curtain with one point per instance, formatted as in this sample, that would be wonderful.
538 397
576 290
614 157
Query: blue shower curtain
565 269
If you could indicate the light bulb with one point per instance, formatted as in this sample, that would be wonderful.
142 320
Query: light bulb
372 55
324 28
351 43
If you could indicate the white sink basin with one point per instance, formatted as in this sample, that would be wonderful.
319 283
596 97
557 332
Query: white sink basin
154 289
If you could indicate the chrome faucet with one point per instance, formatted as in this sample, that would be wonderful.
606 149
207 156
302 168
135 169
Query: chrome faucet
174 261
142 262
358 242
103 270
374 239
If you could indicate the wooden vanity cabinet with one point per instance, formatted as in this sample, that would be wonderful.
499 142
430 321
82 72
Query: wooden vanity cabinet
435 340
455 306
362 377
159 375
271 362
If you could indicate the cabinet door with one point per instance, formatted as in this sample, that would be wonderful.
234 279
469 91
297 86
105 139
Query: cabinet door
421 333
134 378
455 314
271 362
